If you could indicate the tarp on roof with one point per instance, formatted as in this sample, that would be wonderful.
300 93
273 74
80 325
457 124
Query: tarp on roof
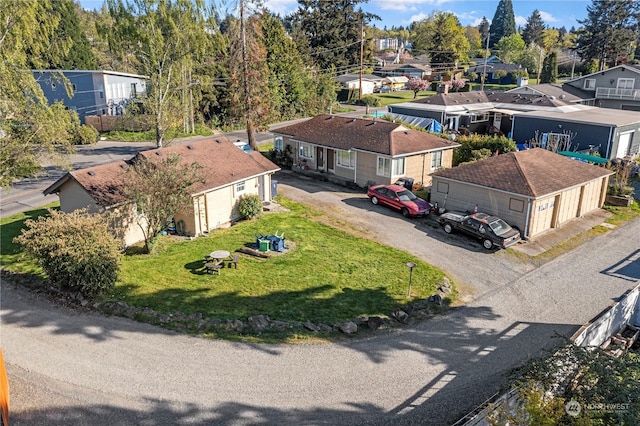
430 124
584 157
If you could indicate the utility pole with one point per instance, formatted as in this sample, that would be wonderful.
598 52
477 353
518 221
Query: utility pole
251 134
484 71
361 56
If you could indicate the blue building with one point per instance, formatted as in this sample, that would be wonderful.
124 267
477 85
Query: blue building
93 92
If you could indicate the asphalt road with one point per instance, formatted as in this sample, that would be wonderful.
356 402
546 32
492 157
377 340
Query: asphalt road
70 368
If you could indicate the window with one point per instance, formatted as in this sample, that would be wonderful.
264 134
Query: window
476 118
384 166
278 144
443 187
134 90
626 83
101 95
516 205
305 150
346 159
240 187
398 167
436 160
590 83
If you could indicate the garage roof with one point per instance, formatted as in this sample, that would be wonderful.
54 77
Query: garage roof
533 173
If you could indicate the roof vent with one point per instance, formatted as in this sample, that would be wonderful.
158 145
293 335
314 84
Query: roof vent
352 120
124 166
189 146
218 141
91 173
406 132
159 153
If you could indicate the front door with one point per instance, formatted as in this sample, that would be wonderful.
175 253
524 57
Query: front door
320 157
497 120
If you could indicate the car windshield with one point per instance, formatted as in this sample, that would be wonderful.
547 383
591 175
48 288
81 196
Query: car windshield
500 227
406 195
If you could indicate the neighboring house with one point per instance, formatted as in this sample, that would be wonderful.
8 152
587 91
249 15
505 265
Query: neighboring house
493 59
395 83
616 88
409 70
229 173
613 133
364 151
93 92
352 81
497 73
536 190
481 112
550 90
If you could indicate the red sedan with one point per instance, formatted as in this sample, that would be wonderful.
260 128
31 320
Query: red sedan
399 198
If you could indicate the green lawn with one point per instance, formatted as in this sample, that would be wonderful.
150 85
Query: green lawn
399 97
328 275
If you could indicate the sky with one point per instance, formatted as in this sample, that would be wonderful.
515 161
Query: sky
554 13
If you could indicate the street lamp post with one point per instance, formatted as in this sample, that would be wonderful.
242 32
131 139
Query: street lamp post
410 265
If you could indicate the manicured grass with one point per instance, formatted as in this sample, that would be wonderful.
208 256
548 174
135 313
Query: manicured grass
150 135
328 275
399 97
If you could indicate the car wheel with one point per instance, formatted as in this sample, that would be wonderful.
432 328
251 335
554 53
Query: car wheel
487 244
447 228
374 200
405 212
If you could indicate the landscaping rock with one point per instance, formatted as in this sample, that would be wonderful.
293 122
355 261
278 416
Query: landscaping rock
311 327
348 327
258 322
234 325
437 299
325 327
400 315
375 323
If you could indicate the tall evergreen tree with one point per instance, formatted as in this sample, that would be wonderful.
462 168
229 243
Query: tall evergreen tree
333 30
503 23
550 68
534 29
608 31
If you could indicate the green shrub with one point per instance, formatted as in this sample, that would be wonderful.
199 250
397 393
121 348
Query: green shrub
76 250
85 135
249 206
476 147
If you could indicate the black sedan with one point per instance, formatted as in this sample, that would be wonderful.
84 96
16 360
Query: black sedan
491 230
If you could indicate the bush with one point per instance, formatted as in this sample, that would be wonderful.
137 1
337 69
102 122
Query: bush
249 206
76 250
85 135
477 147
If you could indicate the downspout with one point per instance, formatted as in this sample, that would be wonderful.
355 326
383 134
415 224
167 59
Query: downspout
609 143
526 220
355 169
423 160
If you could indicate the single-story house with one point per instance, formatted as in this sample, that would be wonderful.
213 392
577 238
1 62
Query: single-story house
364 151
416 69
94 92
396 83
536 190
481 112
497 73
550 90
352 81
613 133
229 173
617 88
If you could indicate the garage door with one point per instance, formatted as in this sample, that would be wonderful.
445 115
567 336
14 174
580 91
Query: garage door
624 145
542 215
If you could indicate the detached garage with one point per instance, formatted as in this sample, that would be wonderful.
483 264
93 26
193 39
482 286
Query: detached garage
535 190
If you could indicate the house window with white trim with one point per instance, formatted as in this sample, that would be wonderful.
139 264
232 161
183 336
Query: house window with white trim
398 166
626 83
278 144
384 166
589 84
240 187
305 150
346 159
477 118
436 160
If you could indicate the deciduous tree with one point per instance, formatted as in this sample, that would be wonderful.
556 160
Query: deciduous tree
417 85
159 190
443 38
510 48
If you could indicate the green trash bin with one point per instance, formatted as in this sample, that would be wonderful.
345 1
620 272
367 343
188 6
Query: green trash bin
263 245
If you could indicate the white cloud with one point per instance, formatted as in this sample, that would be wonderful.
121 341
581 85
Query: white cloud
281 7
548 18
419 17
521 20
406 5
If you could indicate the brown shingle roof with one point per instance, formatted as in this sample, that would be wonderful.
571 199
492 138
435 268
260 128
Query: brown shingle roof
470 98
378 136
223 164
533 173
